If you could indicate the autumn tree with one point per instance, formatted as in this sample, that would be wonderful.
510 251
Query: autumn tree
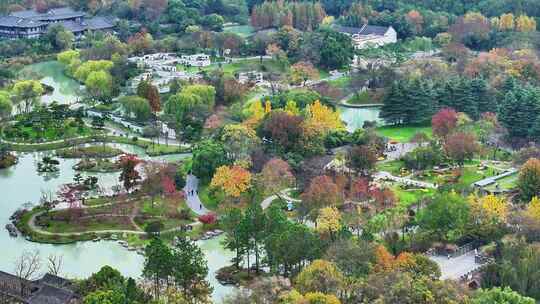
362 159
129 174
525 23
444 122
533 209
275 176
239 140
232 180
303 71
323 118
461 146
529 179
322 192
282 130
320 276
328 221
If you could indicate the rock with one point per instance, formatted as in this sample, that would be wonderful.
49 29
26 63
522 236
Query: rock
12 230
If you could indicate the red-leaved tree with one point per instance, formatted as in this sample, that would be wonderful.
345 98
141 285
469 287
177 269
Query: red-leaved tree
444 122
322 192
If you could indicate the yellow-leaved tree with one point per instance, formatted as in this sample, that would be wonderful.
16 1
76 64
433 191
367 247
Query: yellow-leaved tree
292 108
492 206
329 220
323 118
506 22
232 180
525 23
255 113
533 210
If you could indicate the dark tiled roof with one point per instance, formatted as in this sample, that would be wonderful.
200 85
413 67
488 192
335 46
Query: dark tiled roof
51 295
12 21
99 23
53 14
73 26
364 30
374 30
53 280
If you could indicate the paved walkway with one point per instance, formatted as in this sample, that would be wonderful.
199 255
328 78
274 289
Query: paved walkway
192 195
455 268
383 175
283 194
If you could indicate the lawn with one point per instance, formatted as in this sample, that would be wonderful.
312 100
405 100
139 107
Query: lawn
90 224
241 30
237 66
210 199
506 183
393 166
402 133
408 197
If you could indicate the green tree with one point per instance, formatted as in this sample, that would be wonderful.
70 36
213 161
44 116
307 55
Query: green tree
500 296
105 297
99 85
445 217
157 265
208 155
6 106
137 106
189 271
27 93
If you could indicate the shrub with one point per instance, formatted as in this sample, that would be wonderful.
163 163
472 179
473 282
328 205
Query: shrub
208 219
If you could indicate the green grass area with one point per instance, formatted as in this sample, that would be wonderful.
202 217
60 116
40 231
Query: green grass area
238 66
408 197
101 151
89 224
241 30
471 175
394 166
341 82
402 133
98 166
210 199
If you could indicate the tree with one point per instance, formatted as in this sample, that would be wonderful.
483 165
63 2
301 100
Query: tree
282 130
362 159
529 179
499 295
28 93
444 122
137 106
158 259
99 85
189 271
303 71
445 217
105 297
353 258
129 175
323 118
6 106
320 276
208 155
141 42
275 176
461 146
233 180
239 140
322 192
533 210
27 267
328 221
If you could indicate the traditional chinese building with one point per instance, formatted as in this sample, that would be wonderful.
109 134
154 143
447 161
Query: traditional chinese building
369 35
32 24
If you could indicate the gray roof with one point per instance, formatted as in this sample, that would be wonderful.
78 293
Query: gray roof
99 23
51 295
74 27
52 14
12 21
364 30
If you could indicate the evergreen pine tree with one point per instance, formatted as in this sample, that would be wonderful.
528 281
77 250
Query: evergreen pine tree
393 110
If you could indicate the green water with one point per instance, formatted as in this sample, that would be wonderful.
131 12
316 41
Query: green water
66 90
355 117
21 185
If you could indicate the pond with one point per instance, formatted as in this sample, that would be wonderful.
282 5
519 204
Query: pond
355 117
21 185
52 74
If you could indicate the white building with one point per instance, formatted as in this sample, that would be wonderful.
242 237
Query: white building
197 60
369 35
252 76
